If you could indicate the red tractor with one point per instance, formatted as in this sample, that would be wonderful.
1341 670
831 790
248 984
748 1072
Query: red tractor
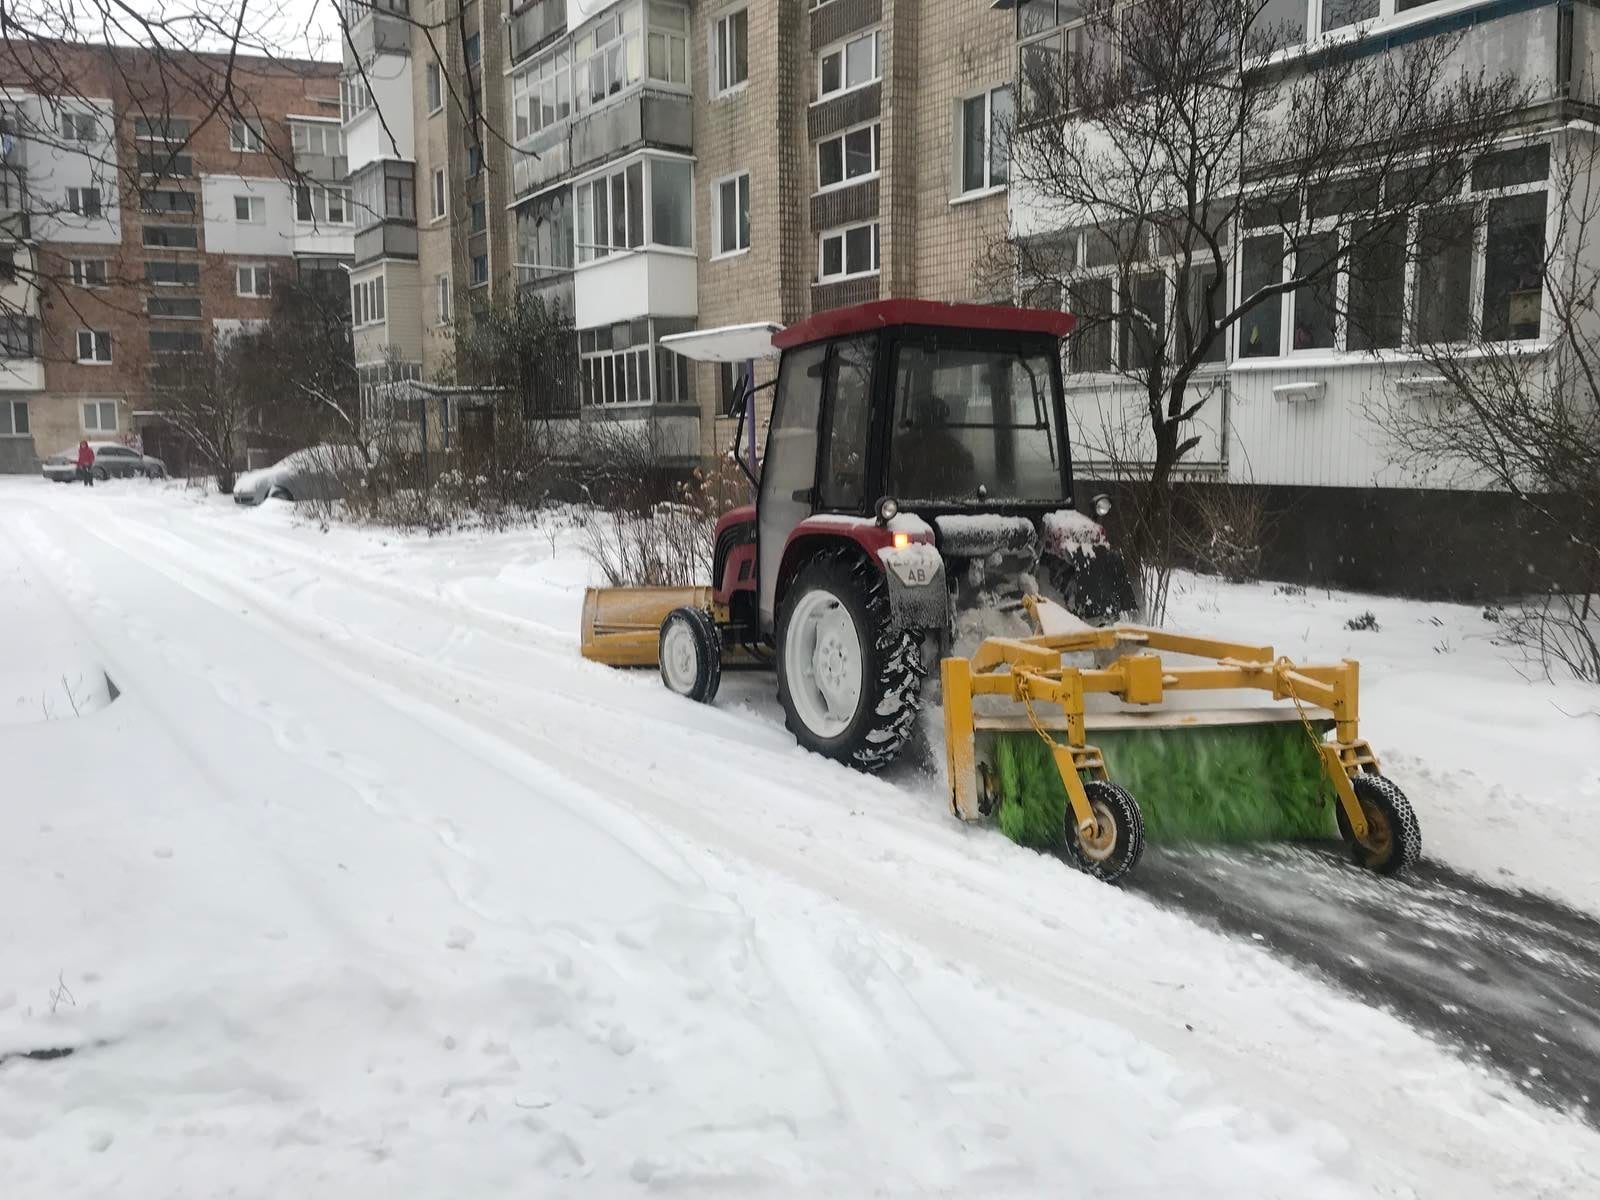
917 483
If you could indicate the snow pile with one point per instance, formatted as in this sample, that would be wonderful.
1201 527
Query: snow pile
968 535
1068 531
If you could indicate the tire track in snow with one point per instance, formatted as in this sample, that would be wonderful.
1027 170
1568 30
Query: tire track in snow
944 920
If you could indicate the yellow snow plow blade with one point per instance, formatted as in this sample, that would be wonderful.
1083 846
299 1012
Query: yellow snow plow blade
622 626
1218 740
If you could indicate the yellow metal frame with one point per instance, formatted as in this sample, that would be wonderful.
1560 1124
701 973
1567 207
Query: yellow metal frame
1030 672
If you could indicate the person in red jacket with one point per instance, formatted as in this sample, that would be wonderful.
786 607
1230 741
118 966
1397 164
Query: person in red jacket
85 463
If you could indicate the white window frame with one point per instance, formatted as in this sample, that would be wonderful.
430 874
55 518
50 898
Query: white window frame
672 37
722 57
10 409
300 133
75 202
585 245
841 48
439 194
98 339
72 124
433 75
257 272
847 180
473 281
846 274
718 250
81 272
97 408
441 299
989 186
367 301
255 208
252 141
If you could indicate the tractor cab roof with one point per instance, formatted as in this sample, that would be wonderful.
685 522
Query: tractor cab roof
741 343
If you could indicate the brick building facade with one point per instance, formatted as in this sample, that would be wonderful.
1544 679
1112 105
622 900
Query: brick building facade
157 220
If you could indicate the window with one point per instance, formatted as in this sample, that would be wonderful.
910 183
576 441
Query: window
171 237
8 265
166 164
1336 14
480 270
162 129
847 253
366 300
175 341
244 137
610 212
541 95
472 49
1513 267
479 217
17 337
733 214
326 140
322 203
667 43
251 210
1045 64
474 160
730 388
671 206
172 274
852 64
355 97
14 418
94 346
441 198
187 307
851 156
441 299
614 364
1260 333
545 233
985 123
100 416
84 201
843 484
1279 23
731 50
435 81
606 57
254 280
336 200
79 127
157 202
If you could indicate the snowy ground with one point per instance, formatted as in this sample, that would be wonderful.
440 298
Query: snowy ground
364 884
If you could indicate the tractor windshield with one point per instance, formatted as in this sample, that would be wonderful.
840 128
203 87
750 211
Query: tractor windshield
974 426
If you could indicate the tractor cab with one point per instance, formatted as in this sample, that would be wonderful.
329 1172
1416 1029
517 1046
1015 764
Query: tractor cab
916 474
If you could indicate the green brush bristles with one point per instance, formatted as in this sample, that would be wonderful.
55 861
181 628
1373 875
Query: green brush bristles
1227 783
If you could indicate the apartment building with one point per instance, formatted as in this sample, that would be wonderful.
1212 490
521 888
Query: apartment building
142 224
656 166
1295 391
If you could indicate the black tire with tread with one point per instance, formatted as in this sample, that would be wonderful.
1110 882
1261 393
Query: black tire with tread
1129 824
708 652
1405 843
894 667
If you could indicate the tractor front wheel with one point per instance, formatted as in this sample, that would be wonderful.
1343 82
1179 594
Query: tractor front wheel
1113 848
1394 840
690 652
850 683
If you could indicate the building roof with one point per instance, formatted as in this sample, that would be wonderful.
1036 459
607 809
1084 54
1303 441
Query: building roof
864 318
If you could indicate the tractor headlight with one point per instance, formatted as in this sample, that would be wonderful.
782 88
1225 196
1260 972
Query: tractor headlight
1102 505
888 509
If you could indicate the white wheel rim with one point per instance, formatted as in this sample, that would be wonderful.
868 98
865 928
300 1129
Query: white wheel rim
680 664
823 663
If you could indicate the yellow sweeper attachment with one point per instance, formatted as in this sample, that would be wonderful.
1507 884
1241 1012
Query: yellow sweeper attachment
1057 753
622 625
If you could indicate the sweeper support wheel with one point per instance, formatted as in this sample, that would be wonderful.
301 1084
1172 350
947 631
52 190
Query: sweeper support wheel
690 650
1111 848
1393 840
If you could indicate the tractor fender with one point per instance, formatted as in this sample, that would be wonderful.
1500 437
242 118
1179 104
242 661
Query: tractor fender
913 572
733 555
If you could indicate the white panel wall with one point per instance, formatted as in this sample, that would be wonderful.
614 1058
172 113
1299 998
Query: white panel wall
52 169
368 137
225 234
643 283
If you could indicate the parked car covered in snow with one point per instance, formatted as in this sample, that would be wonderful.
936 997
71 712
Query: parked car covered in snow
111 460
315 473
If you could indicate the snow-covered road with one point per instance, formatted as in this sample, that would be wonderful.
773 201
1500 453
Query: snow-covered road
365 884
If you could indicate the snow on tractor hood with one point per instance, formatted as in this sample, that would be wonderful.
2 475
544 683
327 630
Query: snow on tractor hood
1065 532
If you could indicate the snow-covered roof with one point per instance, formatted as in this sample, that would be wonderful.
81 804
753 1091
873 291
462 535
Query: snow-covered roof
727 344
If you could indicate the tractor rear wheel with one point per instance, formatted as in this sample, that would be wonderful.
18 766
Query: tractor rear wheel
850 683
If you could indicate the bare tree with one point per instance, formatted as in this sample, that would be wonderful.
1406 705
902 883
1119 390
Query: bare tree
198 393
1508 396
1175 176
